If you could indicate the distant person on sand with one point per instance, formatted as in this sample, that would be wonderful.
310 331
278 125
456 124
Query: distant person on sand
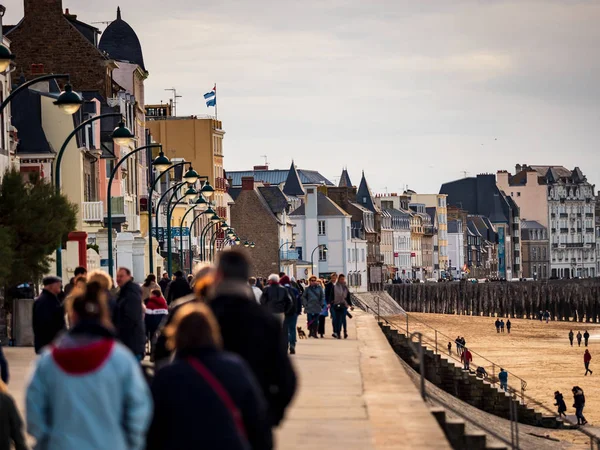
587 357
541 315
560 402
502 326
450 348
547 316
586 337
497 325
579 404
463 344
579 338
457 341
503 378
508 325
466 358
571 337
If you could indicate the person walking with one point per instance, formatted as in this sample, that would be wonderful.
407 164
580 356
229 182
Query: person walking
129 315
587 357
179 287
291 317
156 311
571 337
341 303
79 271
48 315
164 282
105 281
206 398
503 378
148 286
252 332
579 404
586 337
579 336
560 402
466 358
276 298
502 326
313 301
255 289
547 316
449 348
457 341
11 424
87 390
330 295
508 325
497 323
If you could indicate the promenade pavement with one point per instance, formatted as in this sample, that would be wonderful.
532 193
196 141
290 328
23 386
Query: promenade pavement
353 394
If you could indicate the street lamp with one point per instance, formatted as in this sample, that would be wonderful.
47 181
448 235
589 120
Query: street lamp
292 247
6 57
122 136
190 194
191 176
215 218
109 200
207 190
312 266
162 163
204 213
68 101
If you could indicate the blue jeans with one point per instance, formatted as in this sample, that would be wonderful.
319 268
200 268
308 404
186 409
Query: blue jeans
579 414
339 318
289 327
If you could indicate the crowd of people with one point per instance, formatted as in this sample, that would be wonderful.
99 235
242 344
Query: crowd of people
585 336
221 376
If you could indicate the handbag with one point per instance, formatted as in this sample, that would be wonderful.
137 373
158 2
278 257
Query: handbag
222 393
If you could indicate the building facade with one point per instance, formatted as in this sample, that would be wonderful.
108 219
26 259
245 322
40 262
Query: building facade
439 202
536 260
456 248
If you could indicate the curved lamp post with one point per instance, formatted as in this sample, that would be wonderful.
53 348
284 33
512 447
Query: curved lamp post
189 194
109 200
292 246
213 221
121 135
199 202
312 266
210 211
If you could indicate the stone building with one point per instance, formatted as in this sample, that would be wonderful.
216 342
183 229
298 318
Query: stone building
536 255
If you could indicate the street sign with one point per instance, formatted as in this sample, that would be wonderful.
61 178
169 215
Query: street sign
104 263
161 232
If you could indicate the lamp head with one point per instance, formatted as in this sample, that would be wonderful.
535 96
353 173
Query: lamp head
122 135
224 226
191 193
211 212
161 162
6 57
252 245
215 219
68 101
191 176
207 190
246 244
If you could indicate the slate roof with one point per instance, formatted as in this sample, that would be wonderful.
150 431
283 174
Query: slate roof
432 213
325 207
557 171
277 176
531 224
345 179
293 185
274 197
363 195
121 42
234 193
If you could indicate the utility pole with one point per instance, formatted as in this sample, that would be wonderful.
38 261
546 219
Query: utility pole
174 101
266 161
465 173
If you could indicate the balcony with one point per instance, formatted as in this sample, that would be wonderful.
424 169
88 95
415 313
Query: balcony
221 184
563 215
288 255
564 230
92 211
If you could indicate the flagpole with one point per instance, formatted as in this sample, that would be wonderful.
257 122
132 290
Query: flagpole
216 111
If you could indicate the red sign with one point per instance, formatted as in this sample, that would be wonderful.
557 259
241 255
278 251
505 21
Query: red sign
396 254
412 255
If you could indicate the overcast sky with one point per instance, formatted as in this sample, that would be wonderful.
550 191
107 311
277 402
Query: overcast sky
413 92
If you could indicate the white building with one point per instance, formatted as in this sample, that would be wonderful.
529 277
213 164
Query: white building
321 223
7 142
456 247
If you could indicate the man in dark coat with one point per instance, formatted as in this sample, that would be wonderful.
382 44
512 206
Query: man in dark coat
71 284
164 283
48 314
177 288
253 332
3 367
276 298
129 316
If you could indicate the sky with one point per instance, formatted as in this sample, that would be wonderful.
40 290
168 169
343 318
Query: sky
413 92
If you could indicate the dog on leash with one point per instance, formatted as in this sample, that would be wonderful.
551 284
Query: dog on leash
301 333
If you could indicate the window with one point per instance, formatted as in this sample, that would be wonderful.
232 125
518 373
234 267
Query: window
349 256
110 166
363 254
322 254
322 229
518 194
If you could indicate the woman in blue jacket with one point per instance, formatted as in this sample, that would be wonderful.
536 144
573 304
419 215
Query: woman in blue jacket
87 390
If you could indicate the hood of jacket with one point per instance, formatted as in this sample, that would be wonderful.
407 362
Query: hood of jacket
84 349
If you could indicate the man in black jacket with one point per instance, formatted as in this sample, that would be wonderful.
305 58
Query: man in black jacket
48 314
164 283
253 332
276 298
129 316
177 288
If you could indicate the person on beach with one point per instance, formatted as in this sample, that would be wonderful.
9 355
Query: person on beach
502 326
508 325
579 338
571 335
481 372
586 337
450 348
579 404
466 359
587 357
560 402
497 325
457 341
547 316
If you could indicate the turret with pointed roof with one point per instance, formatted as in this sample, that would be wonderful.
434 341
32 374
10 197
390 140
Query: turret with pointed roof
363 196
345 179
293 185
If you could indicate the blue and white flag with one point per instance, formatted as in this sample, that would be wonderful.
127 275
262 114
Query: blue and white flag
211 97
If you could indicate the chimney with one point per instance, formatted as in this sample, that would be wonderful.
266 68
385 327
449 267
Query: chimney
310 209
247 183
70 16
517 168
42 8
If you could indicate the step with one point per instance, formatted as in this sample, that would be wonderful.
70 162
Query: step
475 440
440 415
455 432
496 446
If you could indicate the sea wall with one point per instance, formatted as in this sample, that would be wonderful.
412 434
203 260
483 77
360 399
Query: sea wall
573 300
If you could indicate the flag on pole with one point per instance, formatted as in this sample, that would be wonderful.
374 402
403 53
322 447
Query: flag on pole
211 97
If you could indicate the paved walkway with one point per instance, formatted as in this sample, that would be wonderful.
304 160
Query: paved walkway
353 394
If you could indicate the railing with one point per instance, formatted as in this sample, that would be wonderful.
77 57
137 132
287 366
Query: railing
92 211
517 394
289 255
118 206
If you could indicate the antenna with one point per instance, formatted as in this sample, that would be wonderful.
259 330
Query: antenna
266 161
174 101
465 173
108 22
